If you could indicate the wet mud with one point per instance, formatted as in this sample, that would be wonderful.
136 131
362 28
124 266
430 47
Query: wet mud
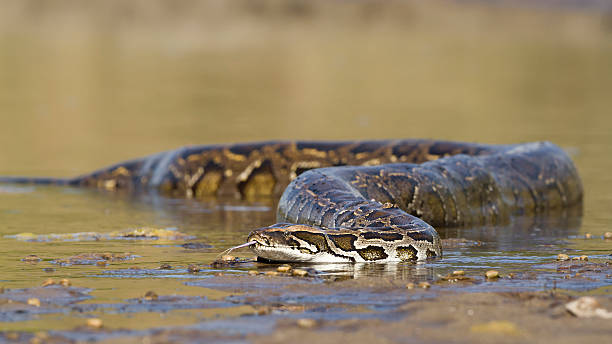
268 303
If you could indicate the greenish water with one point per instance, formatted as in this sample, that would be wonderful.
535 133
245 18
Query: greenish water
84 88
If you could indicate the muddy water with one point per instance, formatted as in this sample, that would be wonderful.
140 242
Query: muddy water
84 87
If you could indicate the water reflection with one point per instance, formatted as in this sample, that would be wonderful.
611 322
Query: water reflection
522 232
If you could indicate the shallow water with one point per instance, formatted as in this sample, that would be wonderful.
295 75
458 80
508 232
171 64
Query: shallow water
156 82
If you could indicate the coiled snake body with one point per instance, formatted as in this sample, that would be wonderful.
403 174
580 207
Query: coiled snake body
359 201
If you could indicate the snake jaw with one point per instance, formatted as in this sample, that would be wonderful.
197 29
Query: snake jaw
277 243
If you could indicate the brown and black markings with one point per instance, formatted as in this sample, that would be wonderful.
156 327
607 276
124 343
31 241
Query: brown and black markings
359 201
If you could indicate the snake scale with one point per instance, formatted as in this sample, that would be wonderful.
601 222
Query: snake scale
366 201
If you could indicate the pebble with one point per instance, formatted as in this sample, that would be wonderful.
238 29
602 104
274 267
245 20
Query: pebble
151 296
101 263
14 336
94 322
562 257
271 273
587 307
608 235
300 273
262 310
39 338
283 268
410 285
424 285
32 258
588 236
193 268
64 282
47 282
253 272
492 274
458 273
228 258
165 267
34 302
306 323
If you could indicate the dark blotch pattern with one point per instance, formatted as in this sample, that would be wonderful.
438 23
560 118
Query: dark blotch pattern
313 238
406 253
345 242
372 253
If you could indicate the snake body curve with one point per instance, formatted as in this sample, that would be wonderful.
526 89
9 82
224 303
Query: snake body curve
358 201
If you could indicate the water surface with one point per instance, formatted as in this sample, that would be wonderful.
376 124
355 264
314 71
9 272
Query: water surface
82 87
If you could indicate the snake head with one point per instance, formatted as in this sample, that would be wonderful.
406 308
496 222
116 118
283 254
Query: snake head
290 242
304 243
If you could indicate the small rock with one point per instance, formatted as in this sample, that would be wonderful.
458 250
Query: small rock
253 273
424 285
588 236
39 338
14 336
94 323
151 296
165 267
101 263
283 268
562 257
228 258
271 273
193 268
306 323
410 285
492 274
587 307
49 270
585 258
458 273
31 258
300 273
48 282
34 302
1 290
608 235
262 310
64 282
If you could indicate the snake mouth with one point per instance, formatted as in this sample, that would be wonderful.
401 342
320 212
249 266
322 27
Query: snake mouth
278 246
259 243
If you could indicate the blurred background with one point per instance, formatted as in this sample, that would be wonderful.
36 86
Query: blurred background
84 84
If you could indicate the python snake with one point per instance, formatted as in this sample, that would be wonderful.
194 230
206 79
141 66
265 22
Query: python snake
370 201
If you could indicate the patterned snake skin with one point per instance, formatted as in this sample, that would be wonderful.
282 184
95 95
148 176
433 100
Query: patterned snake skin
359 201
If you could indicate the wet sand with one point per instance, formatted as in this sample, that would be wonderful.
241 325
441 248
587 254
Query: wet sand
268 306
